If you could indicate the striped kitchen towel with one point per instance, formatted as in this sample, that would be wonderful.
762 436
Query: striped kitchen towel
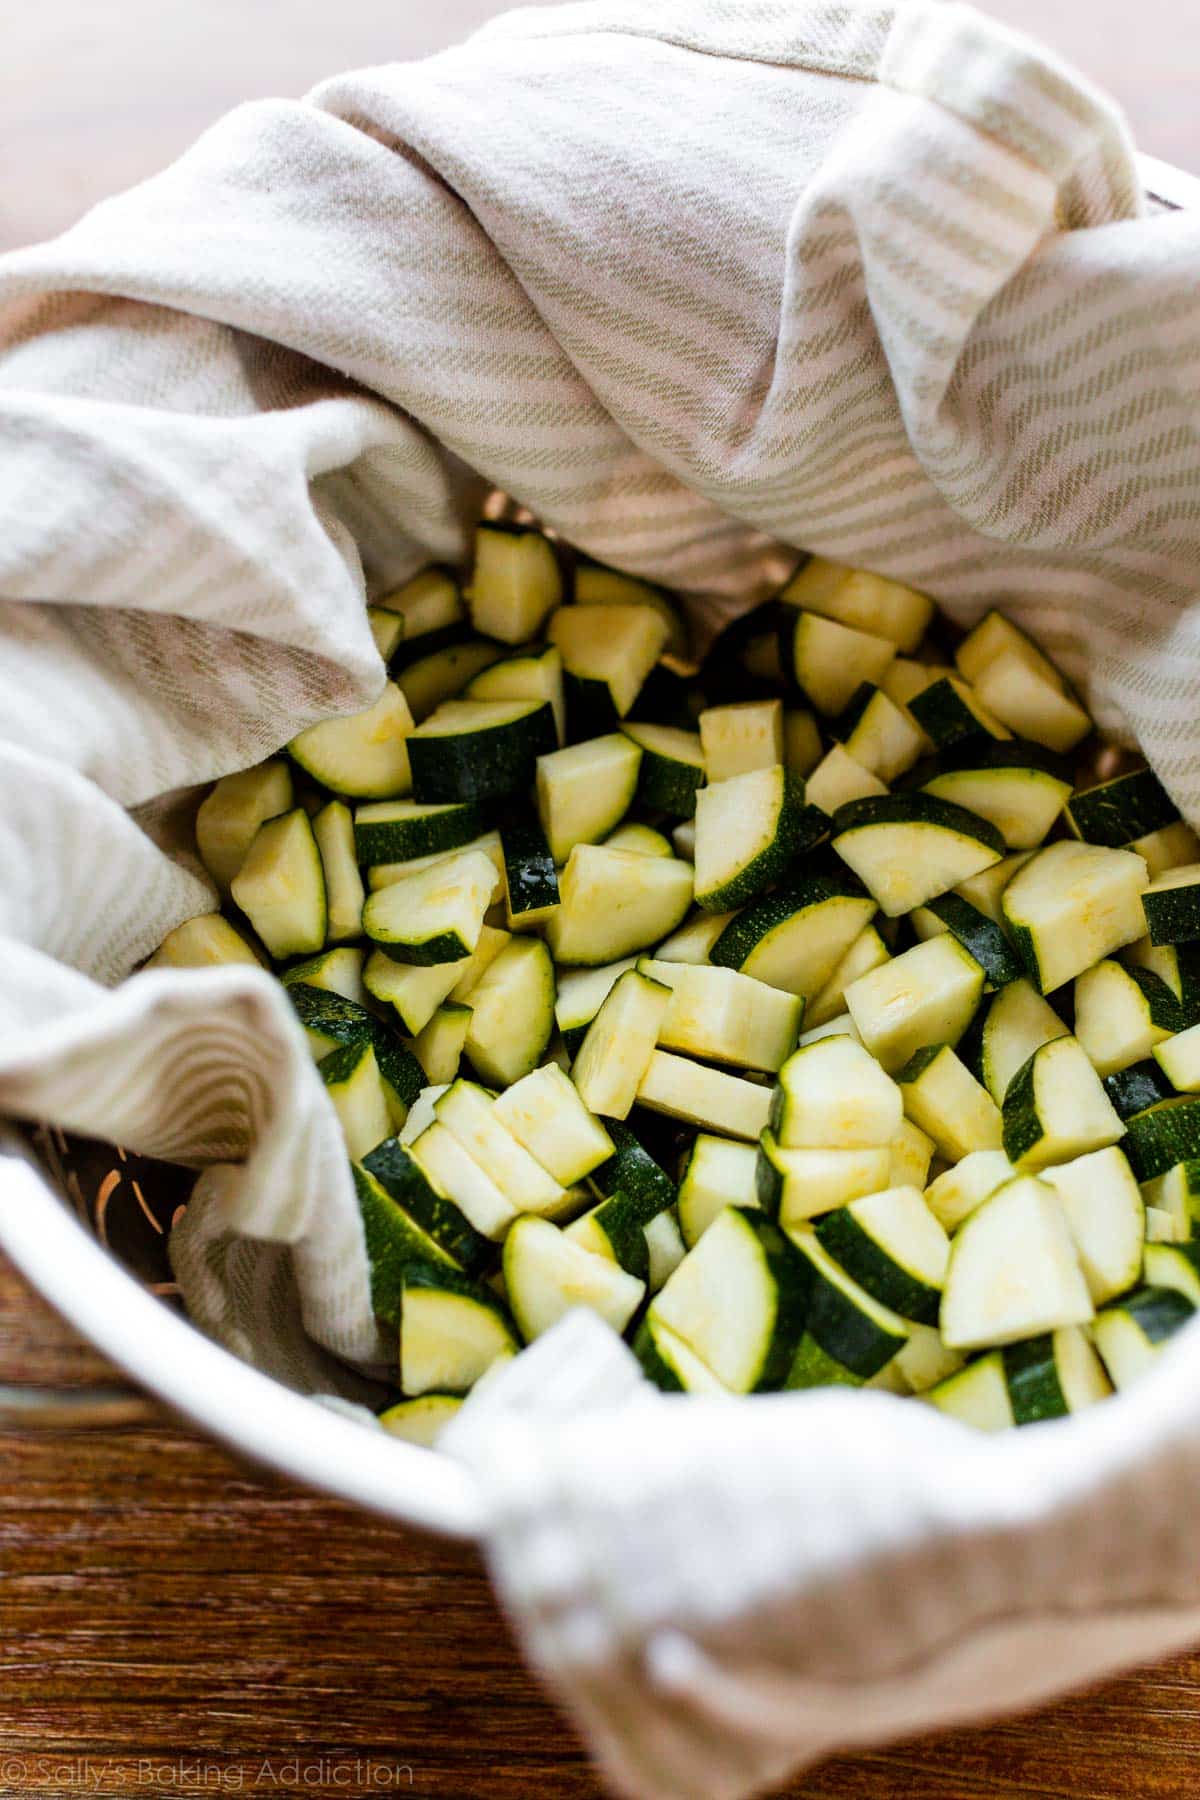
697 283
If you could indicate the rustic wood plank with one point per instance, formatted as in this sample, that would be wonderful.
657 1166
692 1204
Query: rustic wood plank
173 1623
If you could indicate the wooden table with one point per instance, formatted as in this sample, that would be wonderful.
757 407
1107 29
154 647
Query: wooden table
172 1625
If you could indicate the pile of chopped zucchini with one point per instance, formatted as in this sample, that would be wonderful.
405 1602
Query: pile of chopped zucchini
803 1014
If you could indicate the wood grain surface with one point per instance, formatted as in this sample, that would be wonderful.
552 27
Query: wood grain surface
172 1624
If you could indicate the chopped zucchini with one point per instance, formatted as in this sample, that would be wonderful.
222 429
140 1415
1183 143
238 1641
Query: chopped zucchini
381 875
838 779
977 1395
440 671
1016 786
1177 1193
545 1113
748 829
833 1095
1175 1266
390 831
672 767
1162 1135
979 935
797 1185
205 942
924 1360
1106 1217
429 602
1030 704
694 939
795 938
1056 1108
416 993
436 916
396 1170
670 1363
281 886
470 1114
725 1016
867 952
607 652
891 1244
1018 1022
801 741
1130 1334
926 995
878 734
944 1099
452 1331
584 791
855 597
515 583
231 814
849 1336
1013 1270
734 740
530 883
581 994
454 1172
364 755
642 838
537 675
949 712
421 1421
994 636
957 1192
352 1081
717 1173
1171 904
596 585
737 1300
1133 1089
479 749
613 1229
439 1045
546 1276
909 1156
512 1012
1071 905
1122 1014
726 1104
1116 813
908 848
1168 848
829 660
394 1243
612 902
333 828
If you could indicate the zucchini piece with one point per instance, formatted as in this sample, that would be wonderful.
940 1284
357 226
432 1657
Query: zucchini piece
333 829
492 940
534 675
1018 1022
429 602
893 1247
389 831
665 1248
530 883
1016 786
281 886
1176 1193
1168 848
596 585
1133 1089
829 660
926 995
833 1095
672 767
452 1170
909 1156
612 902
512 1012
613 1230
838 779
1122 1014
1130 1334
726 1104
855 597
416 993
1106 1218
1162 1135
396 1170
330 1020
441 671
1056 1108
985 891
900 681
723 1016
977 1395
421 1421
439 1045
1163 1228
924 1360
469 1113
584 791
943 1098
381 875
949 712
452 1331
1116 813
1013 1270
849 1336
607 652
352 1081
737 1300
956 1193
878 735
795 938
544 1112
436 916
581 994
547 1275
421 1114
394 1242
479 749
1053 1375
1176 964
205 942
717 1172
515 583
1171 903
229 817
670 1364
737 739
1175 1266
632 1171
364 754
980 936
995 635
1071 905
797 1185
867 952
801 741
683 837
642 838
748 829
1031 705
909 848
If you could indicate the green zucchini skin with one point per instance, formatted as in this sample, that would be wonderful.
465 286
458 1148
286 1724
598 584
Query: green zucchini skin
1116 812
394 1241
1022 1127
619 1218
1173 914
445 1278
813 1367
848 1338
799 828
868 1264
1162 1135
529 866
979 935
632 1172
915 809
482 765
654 1367
400 840
853 711
1141 1085
790 1273
1031 1376
429 643
744 932
1164 1009
984 753
591 710
348 1023
944 717
1160 1312
403 1178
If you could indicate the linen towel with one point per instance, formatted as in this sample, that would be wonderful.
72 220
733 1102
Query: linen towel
695 284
